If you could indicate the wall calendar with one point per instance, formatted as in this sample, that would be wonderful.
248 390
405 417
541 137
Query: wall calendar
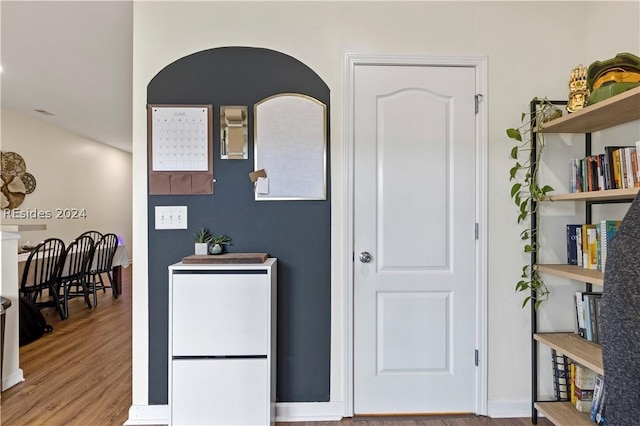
180 139
180 144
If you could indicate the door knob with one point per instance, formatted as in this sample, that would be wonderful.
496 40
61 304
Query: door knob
365 257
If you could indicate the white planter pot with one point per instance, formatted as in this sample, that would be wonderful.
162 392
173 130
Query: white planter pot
201 248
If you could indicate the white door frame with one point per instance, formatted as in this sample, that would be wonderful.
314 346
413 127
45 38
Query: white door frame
480 65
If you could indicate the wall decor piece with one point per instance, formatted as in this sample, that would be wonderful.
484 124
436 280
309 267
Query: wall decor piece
180 144
15 182
290 144
29 182
578 89
233 133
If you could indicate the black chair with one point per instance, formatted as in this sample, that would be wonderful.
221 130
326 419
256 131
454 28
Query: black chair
102 264
41 272
72 276
95 235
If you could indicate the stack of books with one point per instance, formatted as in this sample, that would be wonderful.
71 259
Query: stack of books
583 383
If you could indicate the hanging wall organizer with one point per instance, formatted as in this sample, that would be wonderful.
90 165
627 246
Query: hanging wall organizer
180 143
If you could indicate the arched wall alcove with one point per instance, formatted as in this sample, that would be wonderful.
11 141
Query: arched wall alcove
298 233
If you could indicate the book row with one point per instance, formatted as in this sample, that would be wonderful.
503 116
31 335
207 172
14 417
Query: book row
581 386
588 244
617 168
587 393
587 306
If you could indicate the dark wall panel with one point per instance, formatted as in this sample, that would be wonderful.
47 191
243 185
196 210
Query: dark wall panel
296 232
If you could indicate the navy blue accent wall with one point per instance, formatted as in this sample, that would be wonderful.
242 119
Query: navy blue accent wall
298 233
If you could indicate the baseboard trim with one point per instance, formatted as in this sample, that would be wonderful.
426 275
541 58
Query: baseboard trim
309 411
507 408
148 415
285 412
12 379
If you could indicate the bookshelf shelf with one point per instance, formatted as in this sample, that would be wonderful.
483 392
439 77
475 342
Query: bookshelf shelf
574 272
608 195
563 414
616 110
580 350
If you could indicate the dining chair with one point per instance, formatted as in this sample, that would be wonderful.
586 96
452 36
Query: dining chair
102 264
72 276
95 235
40 273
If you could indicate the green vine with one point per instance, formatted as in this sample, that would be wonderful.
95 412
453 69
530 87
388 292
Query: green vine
526 192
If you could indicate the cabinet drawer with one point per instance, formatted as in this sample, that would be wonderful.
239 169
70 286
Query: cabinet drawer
220 392
220 314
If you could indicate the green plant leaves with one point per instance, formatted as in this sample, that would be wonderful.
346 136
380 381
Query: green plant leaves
515 188
514 134
526 190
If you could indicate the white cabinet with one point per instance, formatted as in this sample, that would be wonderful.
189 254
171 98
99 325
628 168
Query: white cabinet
222 322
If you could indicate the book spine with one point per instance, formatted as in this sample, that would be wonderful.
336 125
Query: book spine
598 162
598 301
617 173
597 398
580 315
623 167
586 312
629 153
602 244
637 145
592 247
579 252
593 318
598 248
572 248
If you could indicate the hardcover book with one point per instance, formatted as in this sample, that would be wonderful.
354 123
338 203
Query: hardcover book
572 247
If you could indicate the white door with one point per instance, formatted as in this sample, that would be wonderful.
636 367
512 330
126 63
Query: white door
415 214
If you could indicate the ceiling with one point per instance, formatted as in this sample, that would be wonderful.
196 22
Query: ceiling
73 59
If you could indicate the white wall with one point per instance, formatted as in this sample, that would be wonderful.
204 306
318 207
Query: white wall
531 48
71 171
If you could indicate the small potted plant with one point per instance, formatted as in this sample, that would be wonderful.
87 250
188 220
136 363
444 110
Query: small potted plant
202 240
218 243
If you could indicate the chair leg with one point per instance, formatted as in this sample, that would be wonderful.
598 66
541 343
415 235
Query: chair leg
114 288
93 285
85 290
102 286
62 311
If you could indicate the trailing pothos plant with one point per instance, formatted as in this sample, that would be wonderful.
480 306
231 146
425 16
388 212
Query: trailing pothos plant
526 191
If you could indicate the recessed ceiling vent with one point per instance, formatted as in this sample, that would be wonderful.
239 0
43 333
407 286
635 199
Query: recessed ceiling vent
43 112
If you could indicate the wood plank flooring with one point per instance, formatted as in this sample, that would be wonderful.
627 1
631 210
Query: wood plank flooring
425 421
80 375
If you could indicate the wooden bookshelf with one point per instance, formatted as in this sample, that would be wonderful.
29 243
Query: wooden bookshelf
579 349
574 272
616 110
563 414
608 195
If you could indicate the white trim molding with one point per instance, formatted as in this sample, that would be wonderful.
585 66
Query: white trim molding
309 411
12 379
480 65
285 412
509 408
148 415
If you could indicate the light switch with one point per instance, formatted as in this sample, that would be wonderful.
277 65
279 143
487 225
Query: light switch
171 217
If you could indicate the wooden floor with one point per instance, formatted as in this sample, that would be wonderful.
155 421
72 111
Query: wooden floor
80 375
425 421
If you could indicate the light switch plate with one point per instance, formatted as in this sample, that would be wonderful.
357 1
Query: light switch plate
171 217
